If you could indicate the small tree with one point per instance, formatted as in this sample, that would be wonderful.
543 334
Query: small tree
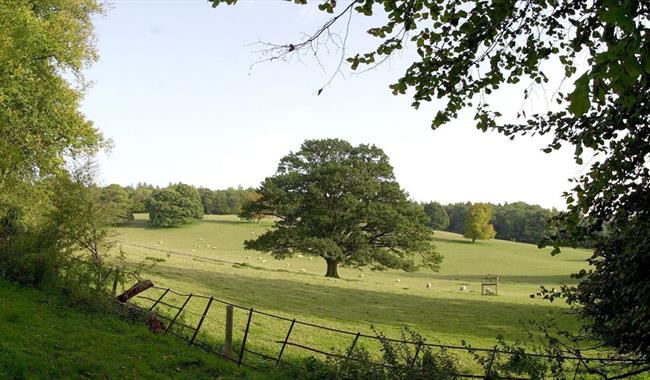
438 218
477 223
175 205
342 203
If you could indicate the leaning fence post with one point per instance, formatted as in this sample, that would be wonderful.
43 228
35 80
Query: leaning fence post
159 299
417 352
198 327
577 368
227 346
284 344
488 370
179 313
353 345
243 343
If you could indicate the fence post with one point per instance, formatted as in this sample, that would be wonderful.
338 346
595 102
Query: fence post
243 343
177 314
227 346
284 344
198 327
353 345
159 299
488 370
415 357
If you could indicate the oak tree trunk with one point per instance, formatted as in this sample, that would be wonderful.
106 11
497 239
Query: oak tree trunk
332 269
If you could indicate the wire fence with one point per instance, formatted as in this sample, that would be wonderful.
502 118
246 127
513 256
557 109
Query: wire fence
261 344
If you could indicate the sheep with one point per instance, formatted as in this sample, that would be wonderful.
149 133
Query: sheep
301 256
259 258
194 250
303 270
463 288
398 280
201 239
361 275
161 242
311 258
248 257
489 291
263 261
428 285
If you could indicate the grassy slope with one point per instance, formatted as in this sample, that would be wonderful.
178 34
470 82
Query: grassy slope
41 338
441 313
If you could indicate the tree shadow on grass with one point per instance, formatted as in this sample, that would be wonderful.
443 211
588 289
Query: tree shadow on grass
523 279
467 316
453 241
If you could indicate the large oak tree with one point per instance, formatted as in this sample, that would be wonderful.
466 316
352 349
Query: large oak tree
342 203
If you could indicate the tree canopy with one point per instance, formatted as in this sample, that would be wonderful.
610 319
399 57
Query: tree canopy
477 222
175 205
40 124
438 218
342 203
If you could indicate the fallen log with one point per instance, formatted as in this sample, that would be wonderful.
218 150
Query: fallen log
135 290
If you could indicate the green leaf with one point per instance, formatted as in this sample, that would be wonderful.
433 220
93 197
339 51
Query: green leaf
579 98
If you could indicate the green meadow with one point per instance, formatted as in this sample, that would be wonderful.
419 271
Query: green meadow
208 258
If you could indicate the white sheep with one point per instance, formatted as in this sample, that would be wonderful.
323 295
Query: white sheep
428 285
160 242
263 261
194 250
201 239
303 270
301 256
259 258
463 288
361 275
398 280
489 291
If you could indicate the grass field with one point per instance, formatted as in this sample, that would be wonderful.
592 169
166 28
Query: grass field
42 338
212 265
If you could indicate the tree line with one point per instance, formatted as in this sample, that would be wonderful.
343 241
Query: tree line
518 221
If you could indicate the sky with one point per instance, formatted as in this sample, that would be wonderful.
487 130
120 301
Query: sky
174 90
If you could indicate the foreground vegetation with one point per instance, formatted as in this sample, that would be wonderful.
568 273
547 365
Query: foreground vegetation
45 338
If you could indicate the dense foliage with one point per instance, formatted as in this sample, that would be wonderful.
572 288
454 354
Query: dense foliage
477 222
224 202
175 205
438 218
342 203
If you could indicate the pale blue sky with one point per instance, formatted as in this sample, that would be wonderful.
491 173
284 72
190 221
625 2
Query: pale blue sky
174 91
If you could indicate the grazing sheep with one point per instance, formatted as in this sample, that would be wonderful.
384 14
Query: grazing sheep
194 250
303 270
160 242
311 258
428 285
489 291
263 261
398 280
301 256
201 239
463 288
259 258
361 275
248 257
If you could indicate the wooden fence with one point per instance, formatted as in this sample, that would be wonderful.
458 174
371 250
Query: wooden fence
244 355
